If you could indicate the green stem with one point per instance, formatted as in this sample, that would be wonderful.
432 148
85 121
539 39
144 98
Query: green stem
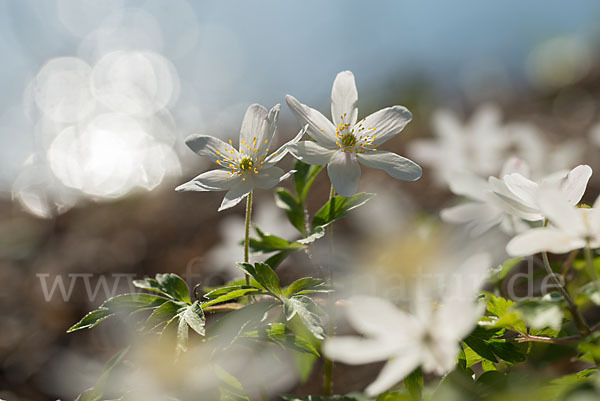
247 237
328 379
589 261
582 326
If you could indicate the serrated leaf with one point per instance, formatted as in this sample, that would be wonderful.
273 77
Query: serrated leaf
338 207
194 316
540 314
305 285
182 334
264 275
303 307
168 284
162 315
91 319
234 293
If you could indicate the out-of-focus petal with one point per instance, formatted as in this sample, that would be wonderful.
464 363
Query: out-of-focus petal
397 166
395 370
356 350
543 239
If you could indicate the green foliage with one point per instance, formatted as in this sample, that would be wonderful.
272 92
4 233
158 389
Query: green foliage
169 285
414 384
96 393
338 207
264 275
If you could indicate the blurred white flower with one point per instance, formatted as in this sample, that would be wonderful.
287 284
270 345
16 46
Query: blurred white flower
543 156
485 209
250 167
572 227
346 141
428 337
478 146
518 193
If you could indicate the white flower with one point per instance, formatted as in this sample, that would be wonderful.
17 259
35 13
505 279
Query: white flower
429 337
250 167
485 210
572 227
346 141
518 193
478 146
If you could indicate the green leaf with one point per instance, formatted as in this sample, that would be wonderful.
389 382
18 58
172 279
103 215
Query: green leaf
182 334
414 384
264 275
292 208
541 313
168 284
118 304
280 334
272 243
234 293
507 267
318 232
507 351
304 308
481 347
91 319
230 389
194 317
338 207
97 392
162 315
304 177
305 285
507 317
591 291
275 260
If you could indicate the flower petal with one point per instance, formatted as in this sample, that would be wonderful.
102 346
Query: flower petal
344 99
542 239
523 188
469 185
319 127
397 166
213 180
515 165
311 153
387 123
344 172
283 150
395 370
268 178
236 194
213 148
575 183
377 317
356 350
556 207
507 201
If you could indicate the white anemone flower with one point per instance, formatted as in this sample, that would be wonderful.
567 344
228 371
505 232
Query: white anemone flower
477 146
484 210
518 193
429 337
341 145
571 227
247 168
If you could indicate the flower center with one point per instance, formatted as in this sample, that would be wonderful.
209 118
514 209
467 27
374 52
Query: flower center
348 140
246 164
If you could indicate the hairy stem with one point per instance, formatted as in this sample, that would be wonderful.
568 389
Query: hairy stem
247 237
582 326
